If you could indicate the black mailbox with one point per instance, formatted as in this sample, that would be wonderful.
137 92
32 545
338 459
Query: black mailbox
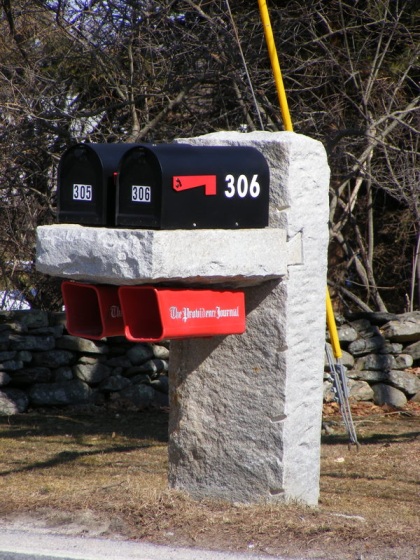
178 186
86 183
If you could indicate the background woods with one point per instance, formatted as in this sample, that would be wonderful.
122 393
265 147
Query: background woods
140 70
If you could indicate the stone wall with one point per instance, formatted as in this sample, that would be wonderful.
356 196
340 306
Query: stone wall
381 353
41 366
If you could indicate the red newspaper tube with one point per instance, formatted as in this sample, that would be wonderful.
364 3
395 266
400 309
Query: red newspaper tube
92 311
152 314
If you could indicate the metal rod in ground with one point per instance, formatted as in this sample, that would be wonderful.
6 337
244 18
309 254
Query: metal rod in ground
339 378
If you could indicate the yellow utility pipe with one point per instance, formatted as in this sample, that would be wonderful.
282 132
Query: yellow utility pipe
275 65
281 92
332 328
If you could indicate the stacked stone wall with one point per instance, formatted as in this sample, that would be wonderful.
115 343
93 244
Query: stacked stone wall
42 366
381 353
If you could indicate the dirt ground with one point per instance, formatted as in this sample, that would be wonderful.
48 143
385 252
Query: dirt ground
103 473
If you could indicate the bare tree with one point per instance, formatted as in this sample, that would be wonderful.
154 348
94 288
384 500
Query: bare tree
147 70
353 83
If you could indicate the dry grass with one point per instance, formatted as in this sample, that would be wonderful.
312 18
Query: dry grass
105 473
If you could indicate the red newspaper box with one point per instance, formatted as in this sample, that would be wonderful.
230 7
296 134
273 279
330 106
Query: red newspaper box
92 311
152 314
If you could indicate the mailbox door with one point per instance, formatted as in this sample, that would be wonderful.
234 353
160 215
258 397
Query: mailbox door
86 183
139 193
81 197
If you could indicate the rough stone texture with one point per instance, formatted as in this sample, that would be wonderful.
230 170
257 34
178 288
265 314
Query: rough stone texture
360 390
160 351
403 380
5 356
22 342
405 329
25 356
53 358
365 328
347 333
35 319
161 384
114 383
91 373
63 373
385 394
384 362
365 345
245 414
29 376
124 257
391 348
78 344
141 396
12 401
57 394
11 365
4 378
413 350
140 353
151 367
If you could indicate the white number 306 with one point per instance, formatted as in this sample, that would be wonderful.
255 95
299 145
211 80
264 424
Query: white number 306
242 187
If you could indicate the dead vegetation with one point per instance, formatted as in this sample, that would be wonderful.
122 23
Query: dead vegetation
104 473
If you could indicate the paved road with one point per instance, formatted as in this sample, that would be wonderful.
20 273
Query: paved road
27 545
18 556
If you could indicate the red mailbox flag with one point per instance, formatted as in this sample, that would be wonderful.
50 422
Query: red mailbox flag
186 182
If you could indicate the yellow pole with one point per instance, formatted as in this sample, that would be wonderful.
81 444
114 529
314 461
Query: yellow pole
332 328
275 65
268 32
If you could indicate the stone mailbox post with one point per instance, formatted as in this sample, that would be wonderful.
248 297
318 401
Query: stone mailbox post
245 414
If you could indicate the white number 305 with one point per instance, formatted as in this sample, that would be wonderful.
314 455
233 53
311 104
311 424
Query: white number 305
241 187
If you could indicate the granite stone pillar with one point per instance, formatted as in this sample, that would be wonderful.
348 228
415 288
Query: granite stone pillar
245 415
